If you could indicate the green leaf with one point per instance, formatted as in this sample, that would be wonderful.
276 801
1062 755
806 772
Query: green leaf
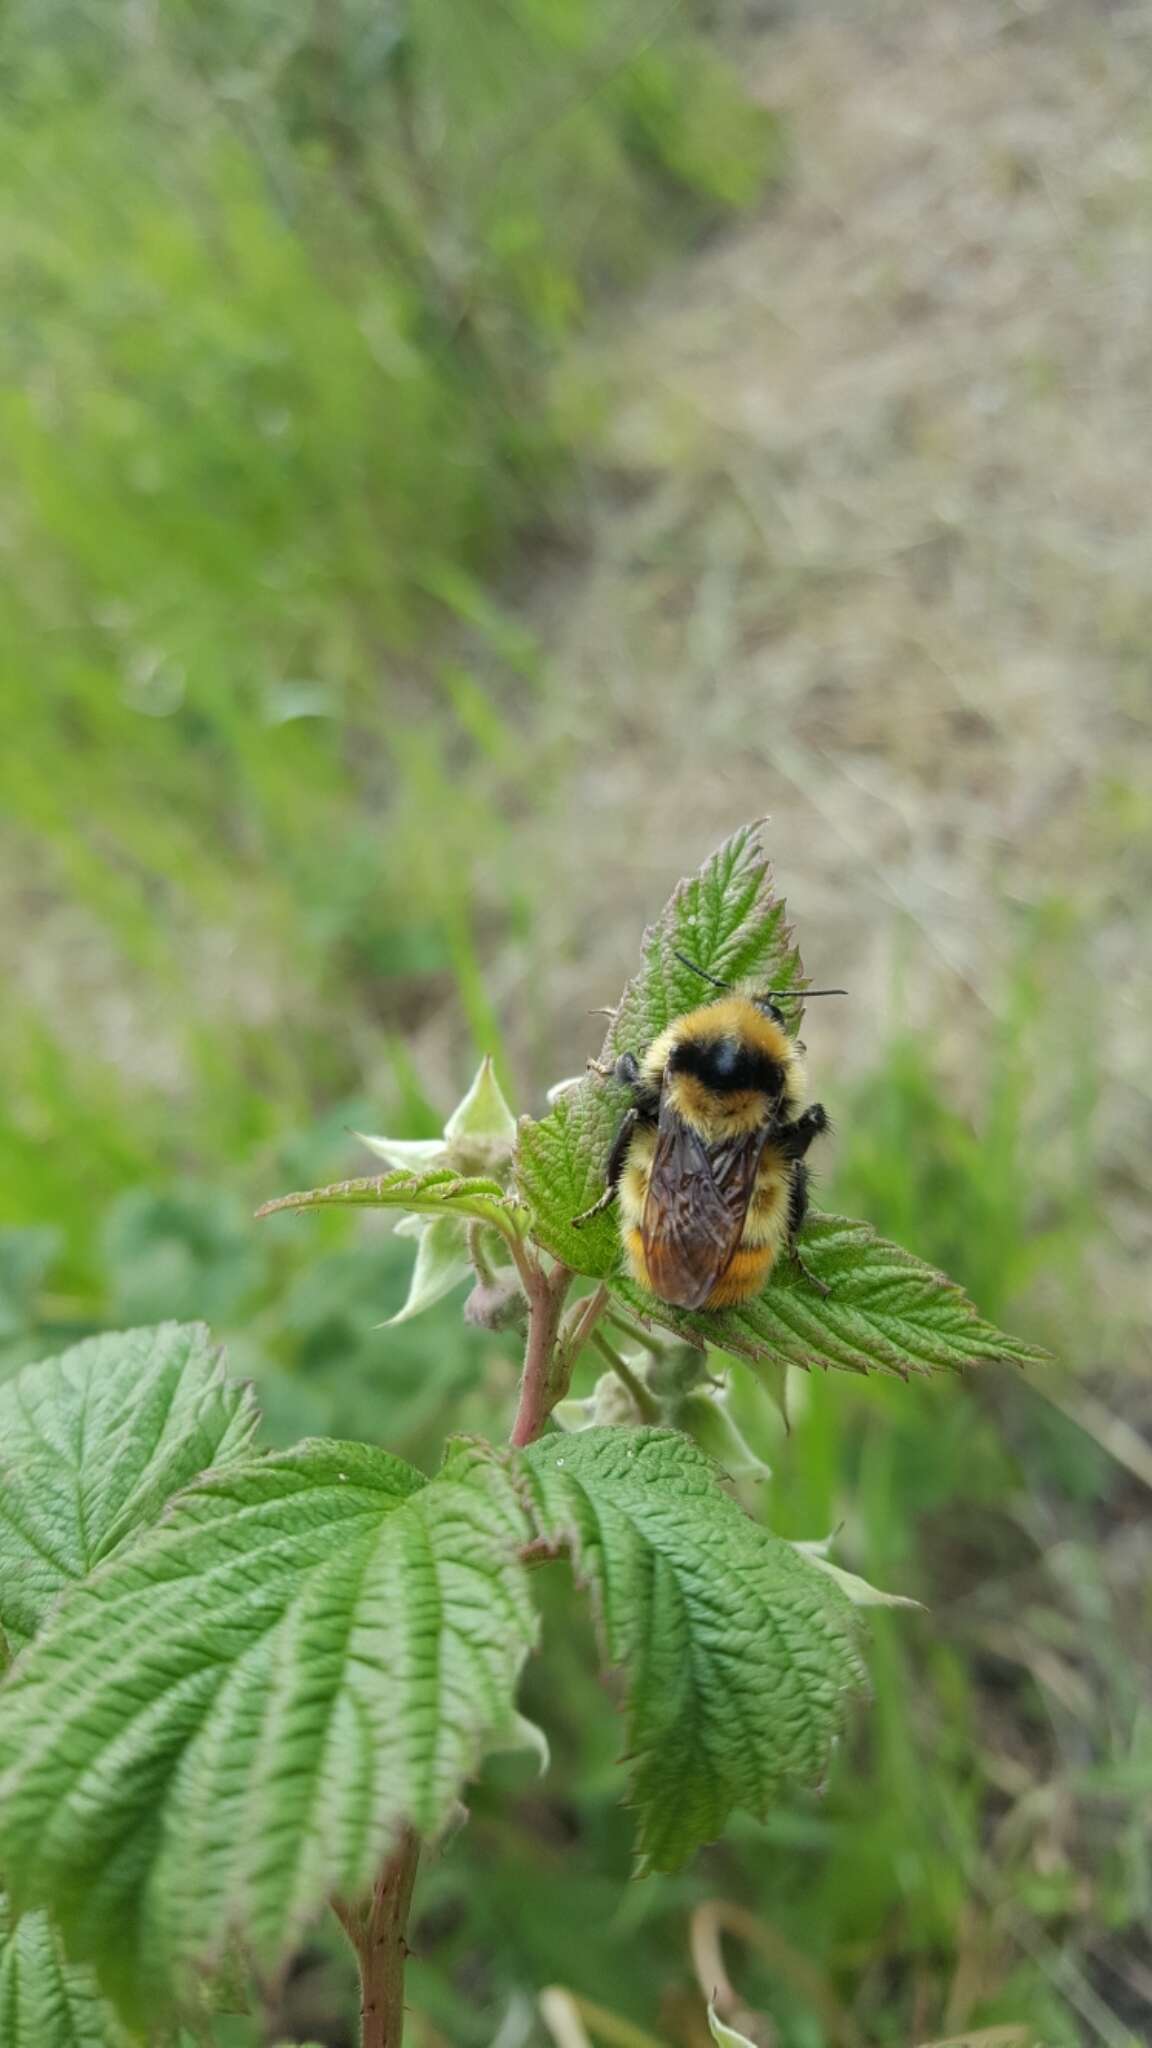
45 2001
92 1446
885 1311
560 1173
435 1193
859 1591
727 920
734 1651
441 1264
234 1719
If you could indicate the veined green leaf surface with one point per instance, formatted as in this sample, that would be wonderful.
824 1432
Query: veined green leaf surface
885 1311
232 1720
734 1651
438 1192
726 919
92 1446
45 2001
560 1173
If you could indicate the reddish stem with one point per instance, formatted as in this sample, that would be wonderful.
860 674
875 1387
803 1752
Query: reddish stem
546 1292
377 1934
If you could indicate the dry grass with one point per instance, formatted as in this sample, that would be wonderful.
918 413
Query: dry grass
867 543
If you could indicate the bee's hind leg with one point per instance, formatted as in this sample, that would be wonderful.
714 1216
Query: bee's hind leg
797 1211
613 1170
814 1280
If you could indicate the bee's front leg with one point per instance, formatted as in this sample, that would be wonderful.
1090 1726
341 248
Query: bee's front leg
615 1167
794 1139
625 1070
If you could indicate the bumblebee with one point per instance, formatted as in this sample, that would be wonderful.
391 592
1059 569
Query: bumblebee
707 1167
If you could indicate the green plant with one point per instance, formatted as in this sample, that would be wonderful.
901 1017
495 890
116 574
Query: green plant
247 1685
262 473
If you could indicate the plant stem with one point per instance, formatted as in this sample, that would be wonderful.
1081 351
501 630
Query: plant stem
636 1335
645 1399
585 1316
481 1263
377 1933
546 1292
572 1339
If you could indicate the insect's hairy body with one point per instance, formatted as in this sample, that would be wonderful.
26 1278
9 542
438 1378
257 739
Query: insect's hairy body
708 1167
727 1066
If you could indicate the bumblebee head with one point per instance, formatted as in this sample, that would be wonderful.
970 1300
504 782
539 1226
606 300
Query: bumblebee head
764 999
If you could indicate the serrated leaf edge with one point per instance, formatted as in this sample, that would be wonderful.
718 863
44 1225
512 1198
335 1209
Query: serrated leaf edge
426 1194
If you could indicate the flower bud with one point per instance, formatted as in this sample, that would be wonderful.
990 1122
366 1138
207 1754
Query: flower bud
495 1305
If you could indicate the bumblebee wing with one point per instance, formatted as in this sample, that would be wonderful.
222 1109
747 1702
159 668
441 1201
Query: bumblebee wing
694 1211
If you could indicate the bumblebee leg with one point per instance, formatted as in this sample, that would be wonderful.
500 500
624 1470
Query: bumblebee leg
794 1139
627 1073
797 1211
613 1170
814 1280
625 1069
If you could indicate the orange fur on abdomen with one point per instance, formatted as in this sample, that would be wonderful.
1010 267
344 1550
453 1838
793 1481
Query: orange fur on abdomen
744 1276
763 1237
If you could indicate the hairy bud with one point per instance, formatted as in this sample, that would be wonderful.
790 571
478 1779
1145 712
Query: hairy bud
495 1305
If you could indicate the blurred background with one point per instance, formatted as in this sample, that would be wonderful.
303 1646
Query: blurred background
461 458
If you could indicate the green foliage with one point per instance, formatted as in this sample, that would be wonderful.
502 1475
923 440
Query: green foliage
441 1265
183 1251
311 1651
1009 1187
244 1684
885 1312
258 469
728 921
92 1446
45 2001
427 1194
560 1173
25 1258
734 1653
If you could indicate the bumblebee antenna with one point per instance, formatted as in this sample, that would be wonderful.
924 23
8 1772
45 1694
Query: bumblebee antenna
701 971
797 995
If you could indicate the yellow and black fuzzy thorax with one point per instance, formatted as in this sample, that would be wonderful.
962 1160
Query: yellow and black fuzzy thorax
726 1065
